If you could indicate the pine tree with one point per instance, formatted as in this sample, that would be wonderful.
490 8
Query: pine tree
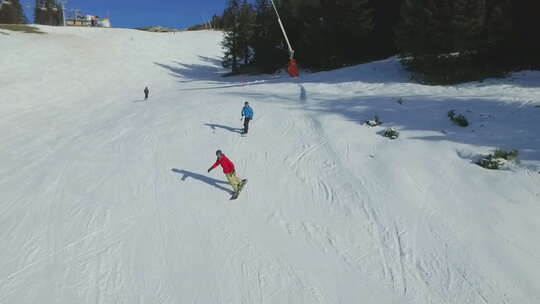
354 29
524 45
495 44
455 41
217 22
48 12
424 29
266 42
231 41
328 33
11 12
468 26
386 15
436 36
246 18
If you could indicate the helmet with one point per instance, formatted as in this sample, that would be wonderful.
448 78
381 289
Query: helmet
246 103
218 153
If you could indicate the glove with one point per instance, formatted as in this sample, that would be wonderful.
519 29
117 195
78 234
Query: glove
209 170
241 118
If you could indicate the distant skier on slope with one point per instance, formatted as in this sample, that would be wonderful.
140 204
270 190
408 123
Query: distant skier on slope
230 172
146 91
247 115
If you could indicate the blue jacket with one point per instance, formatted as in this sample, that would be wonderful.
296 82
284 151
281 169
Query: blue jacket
247 112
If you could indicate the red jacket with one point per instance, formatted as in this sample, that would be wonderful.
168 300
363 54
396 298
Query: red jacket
226 164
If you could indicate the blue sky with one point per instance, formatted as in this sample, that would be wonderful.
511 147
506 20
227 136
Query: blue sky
137 13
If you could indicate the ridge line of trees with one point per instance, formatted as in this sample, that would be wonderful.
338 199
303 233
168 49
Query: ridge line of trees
440 41
46 12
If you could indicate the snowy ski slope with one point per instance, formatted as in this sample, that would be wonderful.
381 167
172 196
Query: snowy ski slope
105 198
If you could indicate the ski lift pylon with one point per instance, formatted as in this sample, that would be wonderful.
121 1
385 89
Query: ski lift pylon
292 68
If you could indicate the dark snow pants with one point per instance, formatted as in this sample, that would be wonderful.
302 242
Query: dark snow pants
246 124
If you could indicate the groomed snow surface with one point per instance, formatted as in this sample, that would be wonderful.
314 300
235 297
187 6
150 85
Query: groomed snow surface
105 198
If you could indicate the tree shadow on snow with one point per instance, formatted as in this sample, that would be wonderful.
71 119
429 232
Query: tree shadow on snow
382 71
205 179
506 125
521 79
231 129
386 71
212 76
192 72
494 124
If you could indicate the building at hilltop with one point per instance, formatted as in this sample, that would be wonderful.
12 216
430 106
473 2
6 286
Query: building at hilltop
88 20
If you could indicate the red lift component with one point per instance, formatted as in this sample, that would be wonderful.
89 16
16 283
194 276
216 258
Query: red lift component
292 69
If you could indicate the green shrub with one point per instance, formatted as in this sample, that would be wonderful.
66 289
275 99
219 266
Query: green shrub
498 159
489 162
508 155
458 119
391 133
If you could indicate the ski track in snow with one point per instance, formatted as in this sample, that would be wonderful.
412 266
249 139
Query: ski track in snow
105 197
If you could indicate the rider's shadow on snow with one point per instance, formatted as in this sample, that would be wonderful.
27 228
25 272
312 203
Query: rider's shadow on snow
210 181
230 129
303 93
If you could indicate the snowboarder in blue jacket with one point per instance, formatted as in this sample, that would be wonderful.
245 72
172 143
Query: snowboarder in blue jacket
247 115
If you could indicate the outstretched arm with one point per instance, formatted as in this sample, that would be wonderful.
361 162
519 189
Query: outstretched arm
213 166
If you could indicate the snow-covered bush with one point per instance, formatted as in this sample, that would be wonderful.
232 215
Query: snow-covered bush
458 119
489 162
498 159
391 133
373 122
508 155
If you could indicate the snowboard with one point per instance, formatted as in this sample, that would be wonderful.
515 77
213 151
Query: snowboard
235 194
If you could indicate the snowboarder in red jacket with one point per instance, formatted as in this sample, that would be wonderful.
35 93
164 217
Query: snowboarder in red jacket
230 172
